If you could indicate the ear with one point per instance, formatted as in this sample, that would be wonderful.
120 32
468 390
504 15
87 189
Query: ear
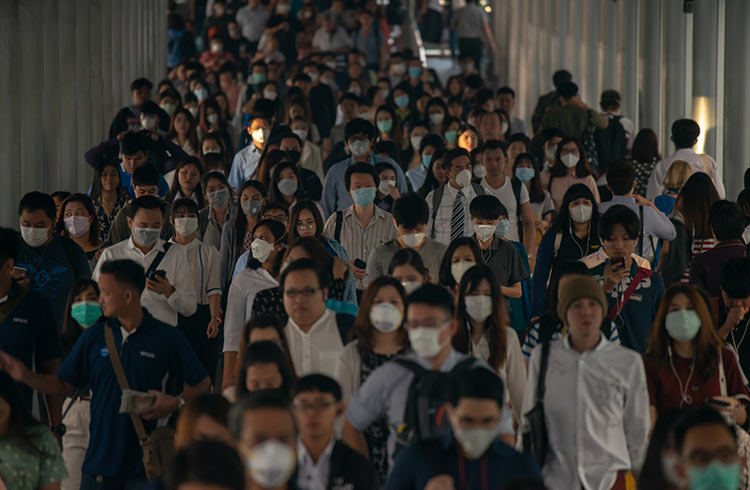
340 408
325 294
453 327
130 222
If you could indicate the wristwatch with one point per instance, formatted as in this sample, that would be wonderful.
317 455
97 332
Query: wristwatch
180 403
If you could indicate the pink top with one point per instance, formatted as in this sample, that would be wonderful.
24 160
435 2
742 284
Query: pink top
558 186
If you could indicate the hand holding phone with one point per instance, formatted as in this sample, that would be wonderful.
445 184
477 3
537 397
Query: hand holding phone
717 402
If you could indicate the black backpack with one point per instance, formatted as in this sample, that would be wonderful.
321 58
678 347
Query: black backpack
611 143
429 391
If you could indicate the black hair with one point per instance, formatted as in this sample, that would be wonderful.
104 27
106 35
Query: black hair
445 276
361 168
697 418
145 175
20 420
727 220
306 265
734 277
146 202
407 256
140 83
433 140
265 352
506 90
560 77
127 273
61 195
359 126
275 195
209 462
549 133
320 383
132 142
453 154
410 211
619 215
349 96
431 295
496 144
652 475
96 183
149 107
562 221
256 401
185 202
487 207
516 137
478 382
279 232
610 99
567 90
35 200
10 244
621 176
430 181
685 132
536 193
258 115
299 206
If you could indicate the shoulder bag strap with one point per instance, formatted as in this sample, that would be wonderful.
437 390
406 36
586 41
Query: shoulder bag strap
122 380
437 196
339 222
543 369
617 308
159 257
642 238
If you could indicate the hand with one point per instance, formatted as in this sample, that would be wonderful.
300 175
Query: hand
393 192
442 482
730 410
339 268
14 367
163 406
542 226
21 278
359 273
154 137
213 328
160 285
642 201
614 275
734 316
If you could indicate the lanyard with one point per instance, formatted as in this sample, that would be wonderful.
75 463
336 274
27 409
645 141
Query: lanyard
462 471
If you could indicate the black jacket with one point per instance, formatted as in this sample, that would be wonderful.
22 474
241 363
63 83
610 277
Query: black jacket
348 467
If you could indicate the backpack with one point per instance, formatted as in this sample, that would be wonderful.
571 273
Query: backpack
429 391
516 185
589 144
437 196
611 143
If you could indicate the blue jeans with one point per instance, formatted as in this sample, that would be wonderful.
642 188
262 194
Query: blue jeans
95 482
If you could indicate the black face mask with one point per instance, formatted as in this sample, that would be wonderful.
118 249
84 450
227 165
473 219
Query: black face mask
294 155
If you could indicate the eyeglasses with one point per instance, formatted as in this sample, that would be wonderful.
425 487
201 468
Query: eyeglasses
316 407
305 292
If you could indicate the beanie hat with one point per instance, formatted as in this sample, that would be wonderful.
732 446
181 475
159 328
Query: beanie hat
580 287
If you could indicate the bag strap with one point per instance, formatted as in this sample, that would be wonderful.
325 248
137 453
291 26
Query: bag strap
617 308
122 380
543 369
159 257
556 245
640 241
437 196
73 400
516 184
339 222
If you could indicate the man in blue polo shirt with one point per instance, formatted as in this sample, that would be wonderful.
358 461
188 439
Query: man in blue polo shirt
150 352
360 138
27 325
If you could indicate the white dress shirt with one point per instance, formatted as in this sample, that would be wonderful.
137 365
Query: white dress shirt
242 291
596 408
178 272
442 224
695 160
317 350
310 475
204 262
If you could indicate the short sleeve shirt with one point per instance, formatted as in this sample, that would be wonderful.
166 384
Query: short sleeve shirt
508 198
22 468
502 257
469 20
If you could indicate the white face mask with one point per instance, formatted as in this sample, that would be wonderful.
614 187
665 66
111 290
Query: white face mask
668 463
458 269
479 171
212 118
550 153
385 185
261 249
270 94
146 236
385 317
504 127
570 160
77 226
301 133
437 118
271 463
168 107
416 141
287 187
34 237
413 240
359 148
476 441
260 135
186 226
426 340
484 232
411 286
148 122
478 307
463 179
581 213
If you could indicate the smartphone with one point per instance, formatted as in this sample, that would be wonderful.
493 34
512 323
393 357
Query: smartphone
360 263
19 271
618 262
718 403
160 273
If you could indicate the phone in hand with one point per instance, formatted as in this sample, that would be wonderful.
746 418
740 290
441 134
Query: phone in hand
718 403
360 263
19 272
158 273
618 262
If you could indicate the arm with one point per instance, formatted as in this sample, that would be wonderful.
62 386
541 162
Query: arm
636 415
490 37
529 228
227 378
100 153
542 269
55 402
50 384
354 438
658 224
166 404
329 202
513 291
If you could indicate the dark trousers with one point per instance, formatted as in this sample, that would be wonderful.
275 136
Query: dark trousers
194 328
95 482
471 46
432 29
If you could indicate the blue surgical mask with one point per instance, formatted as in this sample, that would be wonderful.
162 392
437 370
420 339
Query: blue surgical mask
450 137
201 94
415 72
715 476
682 325
426 159
402 101
502 228
385 125
364 196
525 174
259 78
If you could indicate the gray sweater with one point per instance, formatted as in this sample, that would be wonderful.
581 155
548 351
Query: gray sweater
380 258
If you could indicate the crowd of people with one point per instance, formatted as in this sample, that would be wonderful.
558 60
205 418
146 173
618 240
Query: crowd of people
306 261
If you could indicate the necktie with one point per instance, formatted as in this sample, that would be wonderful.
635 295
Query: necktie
457 218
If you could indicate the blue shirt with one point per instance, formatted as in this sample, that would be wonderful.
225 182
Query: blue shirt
244 165
151 353
425 460
335 194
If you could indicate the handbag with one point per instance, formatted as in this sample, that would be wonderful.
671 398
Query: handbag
535 438
158 447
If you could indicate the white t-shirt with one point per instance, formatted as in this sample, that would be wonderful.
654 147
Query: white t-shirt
506 196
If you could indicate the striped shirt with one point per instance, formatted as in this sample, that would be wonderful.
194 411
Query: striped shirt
700 245
532 338
358 240
440 229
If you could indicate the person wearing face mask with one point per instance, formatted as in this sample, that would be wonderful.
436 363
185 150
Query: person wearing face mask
128 118
633 289
686 363
284 26
168 278
252 19
659 470
471 455
430 326
572 236
291 141
550 138
407 268
595 398
361 227
429 145
377 337
506 100
387 192
262 270
542 207
77 221
574 116
571 167
285 186
482 313
449 204
360 138
220 209
245 162
462 254
410 214
46 262
263 425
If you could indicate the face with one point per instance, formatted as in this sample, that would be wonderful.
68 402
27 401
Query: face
482 289
468 140
213 185
276 215
458 165
263 424
76 208
132 162
388 175
289 144
145 190
113 298
349 109
581 201
110 178
584 317
206 427
188 177
707 443
263 233
408 231
421 315
316 413
304 299
552 143
257 124
732 302
407 273
181 124
360 181
490 126
305 224
439 173
141 95
463 254
88 294
287 173
264 376
146 218
389 294
680 302
506 102
527 164
475 413
570 148
250 194
494 161
35 219
619 244
515 149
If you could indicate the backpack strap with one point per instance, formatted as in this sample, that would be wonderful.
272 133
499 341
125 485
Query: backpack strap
437 196
463 365
159 257
556 246
339 222
406 431
478 189
516 186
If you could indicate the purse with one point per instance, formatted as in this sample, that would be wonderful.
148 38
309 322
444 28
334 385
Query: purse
535 439
158 447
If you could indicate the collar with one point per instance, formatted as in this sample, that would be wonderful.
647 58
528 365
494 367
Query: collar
484 183
452 191
622 199
304 457
603 342
326 317
379 212
159 246
191 245
684 151
146 324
